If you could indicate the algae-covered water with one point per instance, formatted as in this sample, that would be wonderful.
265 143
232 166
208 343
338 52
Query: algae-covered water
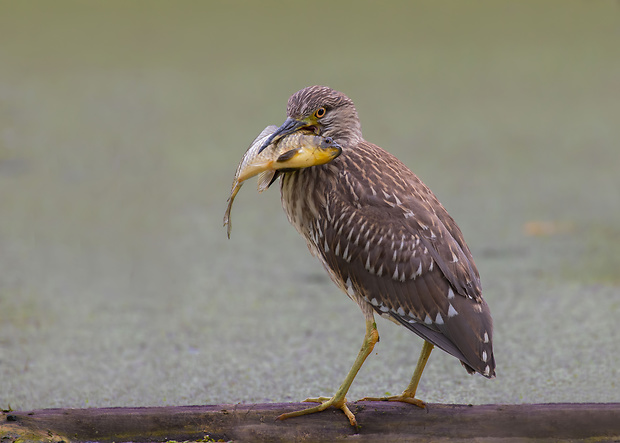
121 125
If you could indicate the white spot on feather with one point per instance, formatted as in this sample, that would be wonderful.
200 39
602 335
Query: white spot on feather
350 289
486 337
350 218
428 320
451 311
450 293
363 227
366 234
345 254
374 302
318 227
418 272
395 275
484 356
401 311
439 319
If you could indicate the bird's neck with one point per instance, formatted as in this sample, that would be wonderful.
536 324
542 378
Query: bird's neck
304 193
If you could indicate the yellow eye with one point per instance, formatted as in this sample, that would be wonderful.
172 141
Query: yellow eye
320 112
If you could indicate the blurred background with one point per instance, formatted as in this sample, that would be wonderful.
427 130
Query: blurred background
121 126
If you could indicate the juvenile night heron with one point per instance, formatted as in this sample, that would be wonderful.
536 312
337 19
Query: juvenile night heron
386 241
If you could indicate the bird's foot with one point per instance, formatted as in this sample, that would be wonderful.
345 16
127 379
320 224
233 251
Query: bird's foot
325 402
404 397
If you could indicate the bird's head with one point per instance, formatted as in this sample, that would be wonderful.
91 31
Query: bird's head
324 111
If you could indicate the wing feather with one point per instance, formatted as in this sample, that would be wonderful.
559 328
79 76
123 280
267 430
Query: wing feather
406 256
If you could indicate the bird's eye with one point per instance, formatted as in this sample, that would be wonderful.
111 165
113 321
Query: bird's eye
320 112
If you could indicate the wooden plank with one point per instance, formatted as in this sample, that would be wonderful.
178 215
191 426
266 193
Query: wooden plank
378 420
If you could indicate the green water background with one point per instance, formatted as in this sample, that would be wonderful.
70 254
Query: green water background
121 125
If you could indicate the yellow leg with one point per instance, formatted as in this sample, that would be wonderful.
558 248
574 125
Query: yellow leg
408 395
338 400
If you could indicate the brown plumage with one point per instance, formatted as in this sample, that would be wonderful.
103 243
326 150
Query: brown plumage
385 240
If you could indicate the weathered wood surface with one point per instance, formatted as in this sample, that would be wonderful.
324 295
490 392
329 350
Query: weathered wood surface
379 421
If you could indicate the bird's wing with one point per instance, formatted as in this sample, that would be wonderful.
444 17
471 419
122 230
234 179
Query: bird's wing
396 247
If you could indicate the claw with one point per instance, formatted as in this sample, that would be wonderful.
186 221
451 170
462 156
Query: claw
402 398
325 402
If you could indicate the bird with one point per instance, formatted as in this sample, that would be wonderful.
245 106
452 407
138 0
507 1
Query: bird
386 241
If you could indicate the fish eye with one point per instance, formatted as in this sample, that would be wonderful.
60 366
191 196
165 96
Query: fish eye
320 112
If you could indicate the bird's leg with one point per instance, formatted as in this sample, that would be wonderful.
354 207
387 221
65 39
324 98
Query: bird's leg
338 400
408 395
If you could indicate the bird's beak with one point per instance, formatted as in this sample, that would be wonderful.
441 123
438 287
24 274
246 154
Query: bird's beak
288 127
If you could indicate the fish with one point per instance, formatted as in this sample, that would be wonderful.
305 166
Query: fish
302 149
